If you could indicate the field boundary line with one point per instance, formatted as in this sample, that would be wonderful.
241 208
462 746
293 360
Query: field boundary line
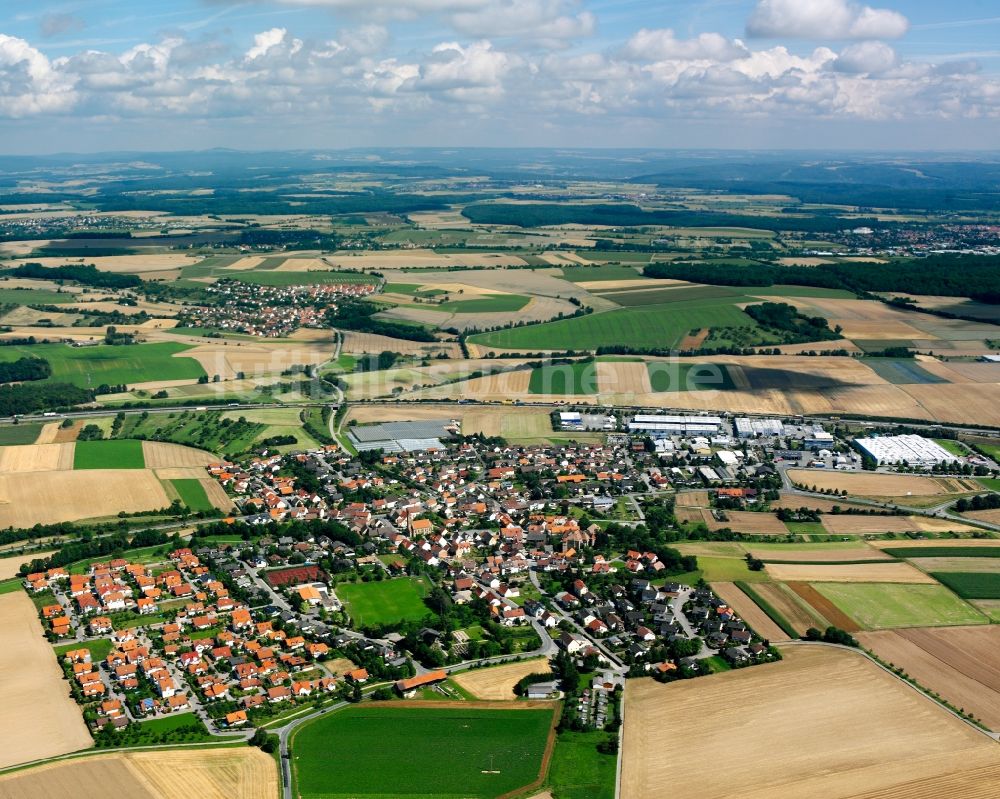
993 736
621 747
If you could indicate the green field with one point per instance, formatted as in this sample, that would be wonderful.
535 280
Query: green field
992 483
971 585
89 367
677 376
418 752
954 447
649 327
117 454
585 274
578 770
806 528
494 303
19 434
943 551
729 570
209 430
671 295
35 297
192 494
575 378
386 602
270 278
885 605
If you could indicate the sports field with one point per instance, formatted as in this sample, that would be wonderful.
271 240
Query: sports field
385 602
116 454
89 367
648 326
421 750
885 605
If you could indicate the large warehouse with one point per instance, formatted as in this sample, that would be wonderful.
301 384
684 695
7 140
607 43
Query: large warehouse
912 450
663 425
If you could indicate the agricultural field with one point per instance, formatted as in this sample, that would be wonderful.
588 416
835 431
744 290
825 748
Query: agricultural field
89 367
466 750
192 493
887 572
578 770
871 484
295 277
116 454
887 605
680 376
959 663
847 730
972 584
749 611
575 378
497 682
34 699
19 434
231 773
385 602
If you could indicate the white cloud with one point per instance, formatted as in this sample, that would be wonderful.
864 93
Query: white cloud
866 57
276 38
824 19
662 44
550 22
29 83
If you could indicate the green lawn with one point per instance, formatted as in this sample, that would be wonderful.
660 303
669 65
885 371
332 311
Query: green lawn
886 605
806 528
114 454
578 770
992 483
422 753
729 570
99 648
493 303
651 326
19 434
971 585
385 602
270 278
954 447
677 376
89 367
569 378
192 494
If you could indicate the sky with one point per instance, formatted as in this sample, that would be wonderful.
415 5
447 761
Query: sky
97 75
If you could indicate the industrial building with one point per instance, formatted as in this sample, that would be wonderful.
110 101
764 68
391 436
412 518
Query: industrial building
660 426
394 437
911 450
750 428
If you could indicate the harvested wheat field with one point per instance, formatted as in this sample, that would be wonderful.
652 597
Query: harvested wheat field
796 501
968 403
748 522
364 343
991 516
830 555
10 565
873 484
418 258
623 377
693 499
48 434
244 773
36 458
160 455
254 360
822 723
497 682
27 499
34 697
863 524
749 611
847 573
945 564
959 663
792 607
338 667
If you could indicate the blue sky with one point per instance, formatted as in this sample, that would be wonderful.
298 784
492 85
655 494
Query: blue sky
109 74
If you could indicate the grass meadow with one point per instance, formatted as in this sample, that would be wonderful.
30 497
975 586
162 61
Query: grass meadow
192 494
885 605
115 454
